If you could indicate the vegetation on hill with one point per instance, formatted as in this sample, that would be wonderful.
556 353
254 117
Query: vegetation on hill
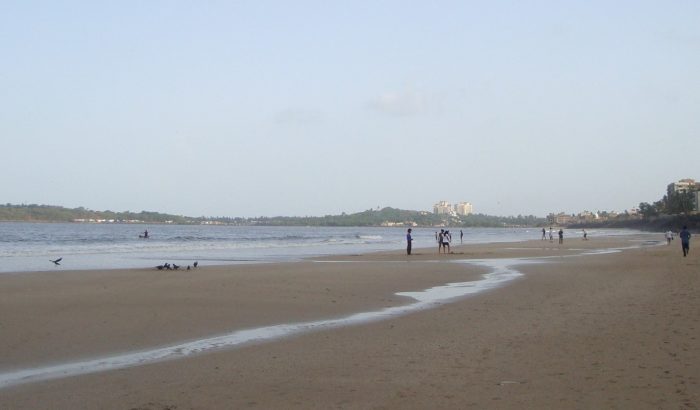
371 217
399 217
50 213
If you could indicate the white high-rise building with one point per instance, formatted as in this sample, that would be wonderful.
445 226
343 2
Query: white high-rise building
442 207
464 208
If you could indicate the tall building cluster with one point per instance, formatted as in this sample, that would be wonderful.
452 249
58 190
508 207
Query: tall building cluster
445 208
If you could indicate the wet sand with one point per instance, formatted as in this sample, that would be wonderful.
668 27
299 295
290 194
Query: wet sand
616 330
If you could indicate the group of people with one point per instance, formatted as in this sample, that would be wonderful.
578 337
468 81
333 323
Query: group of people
443 239
560 233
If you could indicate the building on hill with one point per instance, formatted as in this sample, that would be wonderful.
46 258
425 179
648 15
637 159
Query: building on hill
442 208
445 208
464 208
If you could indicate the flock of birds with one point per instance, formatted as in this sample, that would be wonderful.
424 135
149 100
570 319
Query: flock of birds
168 266
165 266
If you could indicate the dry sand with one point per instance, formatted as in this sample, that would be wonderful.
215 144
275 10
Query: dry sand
603 331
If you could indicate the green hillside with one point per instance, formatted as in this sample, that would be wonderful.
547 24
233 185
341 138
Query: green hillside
379 217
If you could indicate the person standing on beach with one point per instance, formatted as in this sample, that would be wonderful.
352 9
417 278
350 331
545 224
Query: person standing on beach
439 239
544 234
551 236
461 237
446 237
561 236
669 237
409 239
585 235
685 240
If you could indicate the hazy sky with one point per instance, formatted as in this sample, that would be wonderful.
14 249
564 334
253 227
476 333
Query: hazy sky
263 108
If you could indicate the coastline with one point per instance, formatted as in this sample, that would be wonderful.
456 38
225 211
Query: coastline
51 318
98 247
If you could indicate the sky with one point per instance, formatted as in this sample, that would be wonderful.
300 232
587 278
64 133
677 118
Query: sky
306 108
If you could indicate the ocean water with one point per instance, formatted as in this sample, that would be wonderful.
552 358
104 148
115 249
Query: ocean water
28 247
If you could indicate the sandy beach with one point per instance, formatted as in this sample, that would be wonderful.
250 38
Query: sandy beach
578 330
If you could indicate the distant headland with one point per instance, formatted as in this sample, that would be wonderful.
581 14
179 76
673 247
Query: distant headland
387 217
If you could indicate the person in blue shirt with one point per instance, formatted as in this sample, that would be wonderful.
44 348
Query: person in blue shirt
409 239
685 240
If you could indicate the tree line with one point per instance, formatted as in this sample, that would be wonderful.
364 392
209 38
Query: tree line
675 203
386 216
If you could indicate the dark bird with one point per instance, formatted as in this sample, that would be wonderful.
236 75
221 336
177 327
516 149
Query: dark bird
195 264
176 267
57 261
160 267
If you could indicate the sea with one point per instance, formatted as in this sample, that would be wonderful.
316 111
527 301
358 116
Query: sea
28 247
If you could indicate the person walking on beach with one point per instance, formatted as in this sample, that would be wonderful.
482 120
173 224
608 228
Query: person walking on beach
461 237
544 235
409 239
585 235
685 240
669 237
551 236
439 239
561 236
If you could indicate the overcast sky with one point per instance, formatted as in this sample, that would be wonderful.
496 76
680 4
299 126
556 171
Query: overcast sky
264 108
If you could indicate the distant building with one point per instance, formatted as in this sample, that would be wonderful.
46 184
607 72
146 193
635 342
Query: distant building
587 216
684 185
564 219
464 208
442 208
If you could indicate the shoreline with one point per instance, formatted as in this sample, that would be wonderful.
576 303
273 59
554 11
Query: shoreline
96 249
344 287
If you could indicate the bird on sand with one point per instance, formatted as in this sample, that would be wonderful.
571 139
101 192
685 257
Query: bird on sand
56 261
